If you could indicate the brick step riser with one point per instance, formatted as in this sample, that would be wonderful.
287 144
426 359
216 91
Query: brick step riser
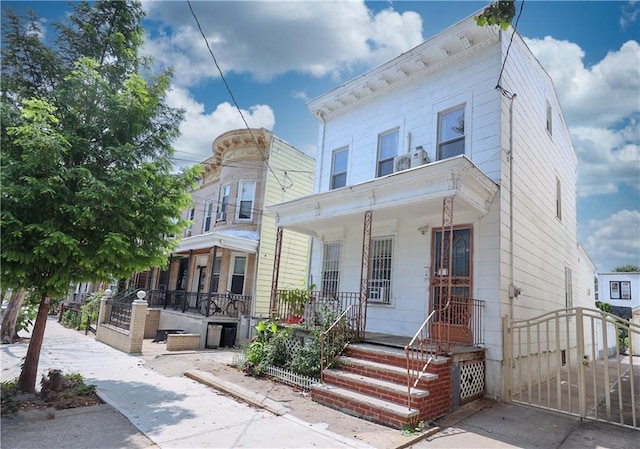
397 397
389 376
387 359
355 408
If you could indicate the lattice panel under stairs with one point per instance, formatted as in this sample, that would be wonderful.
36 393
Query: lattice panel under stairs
471 380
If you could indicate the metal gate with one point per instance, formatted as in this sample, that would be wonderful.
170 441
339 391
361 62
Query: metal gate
577 361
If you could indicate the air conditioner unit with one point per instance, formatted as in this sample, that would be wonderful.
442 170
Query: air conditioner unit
221 216
402 162
419 157
378 294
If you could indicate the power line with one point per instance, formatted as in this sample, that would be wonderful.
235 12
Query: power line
502 90
215 61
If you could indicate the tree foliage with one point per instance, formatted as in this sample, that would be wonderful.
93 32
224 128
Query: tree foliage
88 188
626 269
500 12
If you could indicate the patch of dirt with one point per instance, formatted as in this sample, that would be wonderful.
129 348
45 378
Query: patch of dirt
60 402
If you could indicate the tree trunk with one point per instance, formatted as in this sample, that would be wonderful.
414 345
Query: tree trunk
27 379
10 317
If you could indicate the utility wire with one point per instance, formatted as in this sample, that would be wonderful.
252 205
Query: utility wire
502 90
215 61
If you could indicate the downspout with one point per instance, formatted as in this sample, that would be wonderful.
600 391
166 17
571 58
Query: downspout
511 245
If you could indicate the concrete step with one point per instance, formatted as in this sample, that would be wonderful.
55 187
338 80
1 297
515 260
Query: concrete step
364 406
389 391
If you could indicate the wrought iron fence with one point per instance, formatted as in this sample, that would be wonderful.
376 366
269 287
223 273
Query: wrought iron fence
119 314
207 304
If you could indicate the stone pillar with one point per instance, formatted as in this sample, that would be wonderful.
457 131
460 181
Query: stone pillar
138 320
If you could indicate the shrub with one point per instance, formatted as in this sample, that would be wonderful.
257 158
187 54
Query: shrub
9 401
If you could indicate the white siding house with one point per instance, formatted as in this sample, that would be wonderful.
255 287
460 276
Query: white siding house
426 138
621 290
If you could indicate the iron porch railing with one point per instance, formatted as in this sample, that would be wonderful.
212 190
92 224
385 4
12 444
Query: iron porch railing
206 304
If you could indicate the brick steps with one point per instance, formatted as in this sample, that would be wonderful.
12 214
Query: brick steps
370 382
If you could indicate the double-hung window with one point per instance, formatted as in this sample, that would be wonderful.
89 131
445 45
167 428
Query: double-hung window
380 262
331 267
387 151
339 168
208 216
451 133
246 193
225 191
188 231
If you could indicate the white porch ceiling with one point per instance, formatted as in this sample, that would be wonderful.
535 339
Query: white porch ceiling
409 193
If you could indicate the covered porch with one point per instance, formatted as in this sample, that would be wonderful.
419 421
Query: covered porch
388 248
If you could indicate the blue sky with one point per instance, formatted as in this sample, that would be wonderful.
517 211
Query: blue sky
278 55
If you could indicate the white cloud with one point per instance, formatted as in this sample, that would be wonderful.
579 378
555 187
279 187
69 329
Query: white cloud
600 95
614 240
608 158
200 128
300 95
630 13
266 39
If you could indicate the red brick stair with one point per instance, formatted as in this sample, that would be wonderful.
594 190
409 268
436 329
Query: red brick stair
370 382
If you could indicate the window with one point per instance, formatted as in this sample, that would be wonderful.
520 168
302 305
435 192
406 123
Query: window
558 199
339 168
187 231
620 289
224 202
246 194
450 133
387 150
549 119
331 267
238 274
215 274
568 287
380 260
208 214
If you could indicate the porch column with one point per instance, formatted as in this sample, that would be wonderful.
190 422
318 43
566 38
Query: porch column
273 306
364 274
214 254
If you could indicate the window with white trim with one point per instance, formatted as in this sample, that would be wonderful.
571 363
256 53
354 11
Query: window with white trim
558 199
189 230
450 133
331 267
238 273
215 280
549 119
339 168
208 216
387 151
225 191
246 194
380 262
568 287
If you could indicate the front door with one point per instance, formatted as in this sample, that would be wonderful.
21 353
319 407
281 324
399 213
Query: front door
452 320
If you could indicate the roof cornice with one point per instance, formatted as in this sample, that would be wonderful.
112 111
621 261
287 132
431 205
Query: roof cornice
456 42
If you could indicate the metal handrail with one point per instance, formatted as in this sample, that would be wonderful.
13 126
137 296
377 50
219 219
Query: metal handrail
333 333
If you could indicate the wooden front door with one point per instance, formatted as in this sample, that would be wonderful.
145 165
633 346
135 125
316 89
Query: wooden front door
453 323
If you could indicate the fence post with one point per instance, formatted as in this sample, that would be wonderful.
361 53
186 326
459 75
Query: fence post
138 319
103 306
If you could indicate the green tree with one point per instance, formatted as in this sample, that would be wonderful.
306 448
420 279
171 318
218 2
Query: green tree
88 187
500 12
626 268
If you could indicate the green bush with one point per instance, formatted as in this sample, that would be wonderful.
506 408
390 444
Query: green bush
9 401
306 361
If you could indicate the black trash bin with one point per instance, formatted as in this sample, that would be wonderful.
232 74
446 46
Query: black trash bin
228 336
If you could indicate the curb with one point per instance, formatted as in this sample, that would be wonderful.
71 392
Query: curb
224 386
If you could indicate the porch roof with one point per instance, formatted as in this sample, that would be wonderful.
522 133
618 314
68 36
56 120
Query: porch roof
410 193
245 241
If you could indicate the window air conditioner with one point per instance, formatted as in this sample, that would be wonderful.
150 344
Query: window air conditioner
221 216
419 157
402 162
378 294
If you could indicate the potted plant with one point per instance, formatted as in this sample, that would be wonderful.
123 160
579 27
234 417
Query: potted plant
296 299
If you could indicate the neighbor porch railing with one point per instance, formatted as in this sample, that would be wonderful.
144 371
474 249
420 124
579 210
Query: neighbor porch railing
206 304
436 334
